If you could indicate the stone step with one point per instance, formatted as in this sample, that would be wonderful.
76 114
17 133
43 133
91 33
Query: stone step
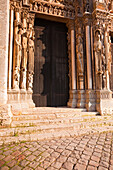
53 109
62 133
50 110
53 128
42 123
54 121
41 116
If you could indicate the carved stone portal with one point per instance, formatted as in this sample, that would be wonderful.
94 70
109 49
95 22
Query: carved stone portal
91 22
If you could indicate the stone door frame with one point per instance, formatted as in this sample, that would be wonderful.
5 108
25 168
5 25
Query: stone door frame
16 97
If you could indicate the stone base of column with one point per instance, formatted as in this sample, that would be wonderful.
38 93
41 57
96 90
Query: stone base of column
90 100
20 99
72 99
5 115
81 98
29 99
104 102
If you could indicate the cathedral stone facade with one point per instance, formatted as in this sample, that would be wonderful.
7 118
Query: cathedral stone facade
56 53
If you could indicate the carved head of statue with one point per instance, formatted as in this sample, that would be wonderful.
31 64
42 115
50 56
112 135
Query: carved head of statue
97 35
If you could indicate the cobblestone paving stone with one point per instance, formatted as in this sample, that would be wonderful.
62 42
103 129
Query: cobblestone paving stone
88 152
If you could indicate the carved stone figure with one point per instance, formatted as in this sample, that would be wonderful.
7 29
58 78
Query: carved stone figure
79 50
31 56
35 6
18 47
98 52
107 43
18 55
17 50
24 56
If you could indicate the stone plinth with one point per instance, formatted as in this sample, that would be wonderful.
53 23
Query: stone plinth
72 99
20 99
81 98
104 102
90 100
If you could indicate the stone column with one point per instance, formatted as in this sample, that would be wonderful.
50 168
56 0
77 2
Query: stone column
10 47
73 95
88 55
73 57
4 32
90 93
80 65
5 112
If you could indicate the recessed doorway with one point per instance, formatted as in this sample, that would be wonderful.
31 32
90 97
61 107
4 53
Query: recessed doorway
51 70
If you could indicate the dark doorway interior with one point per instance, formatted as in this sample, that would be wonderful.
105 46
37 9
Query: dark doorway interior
51 81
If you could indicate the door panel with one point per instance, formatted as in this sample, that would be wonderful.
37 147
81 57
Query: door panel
51 82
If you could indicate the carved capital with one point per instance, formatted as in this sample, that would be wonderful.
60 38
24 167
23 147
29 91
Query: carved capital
87 19
71 25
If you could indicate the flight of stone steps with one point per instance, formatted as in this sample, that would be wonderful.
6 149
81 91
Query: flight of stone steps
46 123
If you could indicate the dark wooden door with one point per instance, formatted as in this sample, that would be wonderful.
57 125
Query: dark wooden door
51 82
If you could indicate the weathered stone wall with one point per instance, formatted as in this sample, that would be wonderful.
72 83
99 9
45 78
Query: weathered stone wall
4 30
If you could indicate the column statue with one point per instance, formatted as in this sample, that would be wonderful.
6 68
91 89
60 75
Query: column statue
98 52
79 50
17 50
107 43
80 62
31 38
17 58
24 55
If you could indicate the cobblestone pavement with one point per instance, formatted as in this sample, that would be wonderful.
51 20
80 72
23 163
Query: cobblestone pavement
89 152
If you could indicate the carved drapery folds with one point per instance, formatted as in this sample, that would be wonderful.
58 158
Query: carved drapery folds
31 37
17 49
24 51
99 59
80 60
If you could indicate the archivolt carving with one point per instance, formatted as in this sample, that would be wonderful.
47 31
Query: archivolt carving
60 8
